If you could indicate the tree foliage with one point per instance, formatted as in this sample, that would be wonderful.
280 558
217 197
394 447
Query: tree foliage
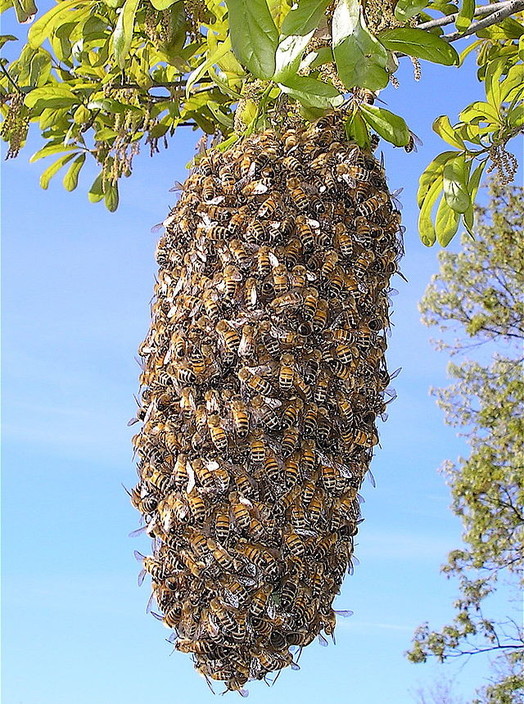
102 77
479 294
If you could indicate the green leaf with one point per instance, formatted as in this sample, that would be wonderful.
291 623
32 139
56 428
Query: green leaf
421 44
446 223
391 127
25 10
254 36
43 27
515 117
425 223
55 167
111 105
465 15
212 58
96 192
357 130
359 56
305 17
492 77
51 96
480 111
316 58
71 177
111 196
474 182
456 189
289 55
431 173
40 68
51 149
312 93
7 38
123 34
405 9
443 128
162 4
51 117
513 83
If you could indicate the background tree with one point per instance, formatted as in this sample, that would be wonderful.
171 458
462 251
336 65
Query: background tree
479 294
101 78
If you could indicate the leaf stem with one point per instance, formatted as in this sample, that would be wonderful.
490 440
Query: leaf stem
11 80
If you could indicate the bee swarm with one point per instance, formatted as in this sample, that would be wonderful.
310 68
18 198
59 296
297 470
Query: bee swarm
263 373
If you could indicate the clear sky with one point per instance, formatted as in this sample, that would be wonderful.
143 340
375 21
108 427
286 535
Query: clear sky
77 283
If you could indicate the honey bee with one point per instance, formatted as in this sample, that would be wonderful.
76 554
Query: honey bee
320 318
286 372
230 337
294 543
264 261
211 305
265 413
197 506
240 416
223 558
308 457
235 590
270 206
291 469
271 467
232 276
280 279
239 510
254 382
298 277
257 448
256 232
259 600
305 233
369 206
292 252
289 441
240 253
260 557
310 304
329 264
217 432
322 387
221 524
291 413
310 420
255 188
238 218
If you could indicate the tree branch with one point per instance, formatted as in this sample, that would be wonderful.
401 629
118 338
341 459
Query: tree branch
509 8
479 12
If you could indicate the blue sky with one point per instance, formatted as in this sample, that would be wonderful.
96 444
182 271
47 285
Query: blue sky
77 281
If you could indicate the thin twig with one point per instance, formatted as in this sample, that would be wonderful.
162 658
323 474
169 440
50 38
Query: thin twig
11 81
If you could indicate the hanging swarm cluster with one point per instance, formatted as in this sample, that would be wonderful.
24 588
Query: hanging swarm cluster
263 373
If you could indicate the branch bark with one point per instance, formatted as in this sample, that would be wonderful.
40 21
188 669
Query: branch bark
510 8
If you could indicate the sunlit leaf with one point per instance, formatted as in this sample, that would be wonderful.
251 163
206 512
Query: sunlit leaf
391 127
465 15
254 35
289 55
53 169
360 57
446 223
425 222
405 9
70 180
455 184
431 173
123 34
43 27
304 17
443 128
311 92
421 44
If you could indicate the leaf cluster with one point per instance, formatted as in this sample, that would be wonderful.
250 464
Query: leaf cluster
102 77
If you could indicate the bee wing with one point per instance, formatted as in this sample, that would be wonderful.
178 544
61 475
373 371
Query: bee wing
138 531
191 474
344 613
323 641
141 576
156 228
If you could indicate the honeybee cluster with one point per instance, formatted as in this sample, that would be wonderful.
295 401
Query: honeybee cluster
263 373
